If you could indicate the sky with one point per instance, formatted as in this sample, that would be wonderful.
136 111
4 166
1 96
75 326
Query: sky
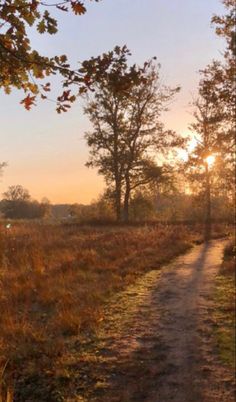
46 152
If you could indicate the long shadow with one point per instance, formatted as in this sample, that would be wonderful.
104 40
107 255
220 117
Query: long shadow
137 376
198 265
107 376
134 377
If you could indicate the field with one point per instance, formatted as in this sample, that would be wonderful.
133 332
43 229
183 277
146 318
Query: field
54 282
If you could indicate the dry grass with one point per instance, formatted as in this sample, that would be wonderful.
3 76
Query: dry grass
225 307
53 284
228 266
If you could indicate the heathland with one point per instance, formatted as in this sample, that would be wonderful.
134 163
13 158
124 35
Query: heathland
54 283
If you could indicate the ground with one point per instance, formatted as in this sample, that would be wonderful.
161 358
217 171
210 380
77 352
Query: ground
157 343
102 314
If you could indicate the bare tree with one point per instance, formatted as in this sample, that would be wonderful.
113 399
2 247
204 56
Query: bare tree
17 193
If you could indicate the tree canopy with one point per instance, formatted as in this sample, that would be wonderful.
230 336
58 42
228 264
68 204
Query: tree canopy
200 168
22 66
211 165
17 204
217 84
125 110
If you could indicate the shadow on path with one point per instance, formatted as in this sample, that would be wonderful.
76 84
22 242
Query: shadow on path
154 345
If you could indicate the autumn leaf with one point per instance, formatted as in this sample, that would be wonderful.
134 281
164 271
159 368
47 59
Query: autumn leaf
87 79
28 101
66 94
62 108
63 58
82 90
33 6
78 7
41 27
64 97
46 87
62 8
21 63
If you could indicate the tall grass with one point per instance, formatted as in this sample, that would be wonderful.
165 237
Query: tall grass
54 281
225 306
6 392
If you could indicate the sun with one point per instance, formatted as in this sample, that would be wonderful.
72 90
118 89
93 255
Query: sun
210 160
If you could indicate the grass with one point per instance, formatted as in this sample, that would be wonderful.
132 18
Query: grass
54 281
6 391
225 307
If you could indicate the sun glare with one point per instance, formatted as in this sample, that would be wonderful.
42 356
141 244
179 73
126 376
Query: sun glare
184 153
210 160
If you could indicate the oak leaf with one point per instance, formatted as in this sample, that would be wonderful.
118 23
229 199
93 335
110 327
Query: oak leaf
78 7
28 101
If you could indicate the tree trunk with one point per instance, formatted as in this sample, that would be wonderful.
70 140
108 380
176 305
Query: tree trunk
127 198
208 205
117 175
118 202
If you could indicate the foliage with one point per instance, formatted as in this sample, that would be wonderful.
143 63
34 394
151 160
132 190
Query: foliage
17 204
141 208
224 313
217 86
125 111
205 168
22 66
214 124
17 193
98 211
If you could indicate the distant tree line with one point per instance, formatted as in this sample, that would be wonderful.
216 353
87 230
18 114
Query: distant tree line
151 205
18 204
154 203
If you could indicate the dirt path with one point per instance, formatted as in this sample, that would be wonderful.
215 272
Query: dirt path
156 343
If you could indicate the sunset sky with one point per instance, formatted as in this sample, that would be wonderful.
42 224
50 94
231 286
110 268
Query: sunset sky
45 151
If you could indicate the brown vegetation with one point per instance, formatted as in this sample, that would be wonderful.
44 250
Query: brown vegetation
224 314
54 281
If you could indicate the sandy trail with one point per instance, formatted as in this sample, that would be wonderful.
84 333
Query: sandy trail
156 343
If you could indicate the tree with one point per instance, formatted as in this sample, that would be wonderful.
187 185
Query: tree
212 163
199 167
98 211
21 66
45 207
217 85
144 174
141 207
17 204
17 193
124 110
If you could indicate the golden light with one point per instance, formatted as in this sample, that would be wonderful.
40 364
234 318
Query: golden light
184 154
210 160
192 144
